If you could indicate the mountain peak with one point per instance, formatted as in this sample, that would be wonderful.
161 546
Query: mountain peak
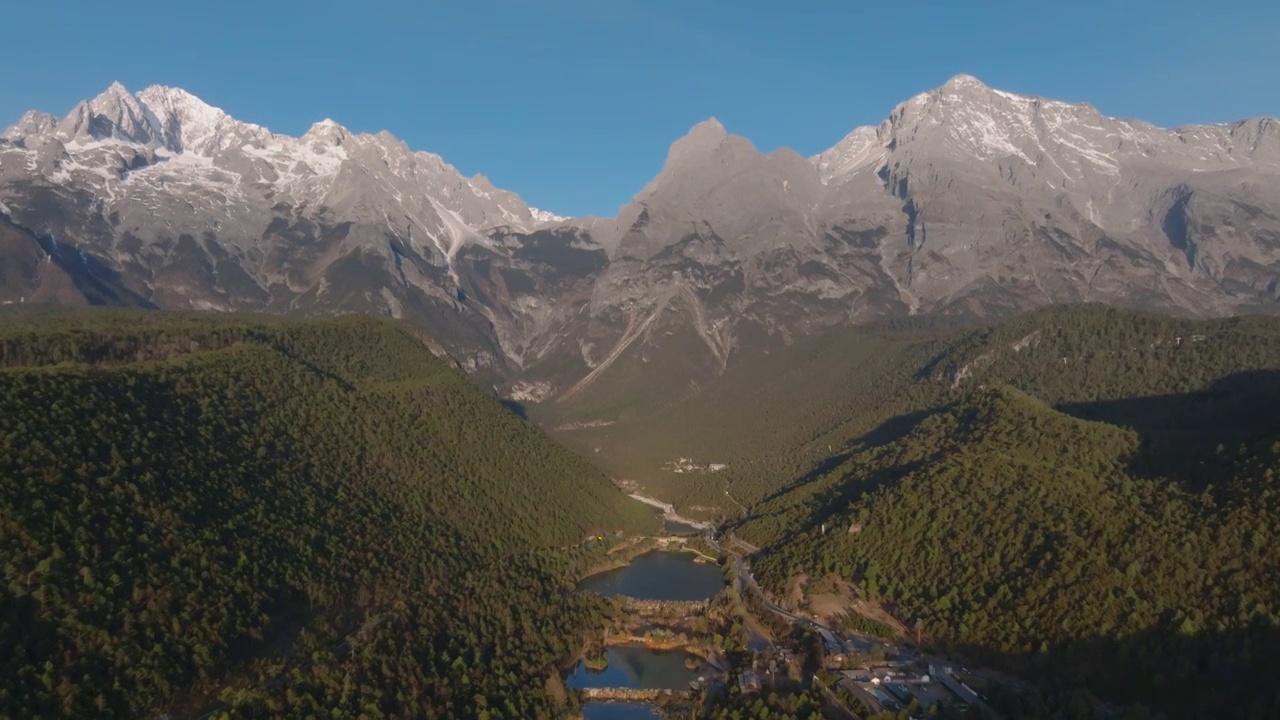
327 132
32 123
708 131
964 80
711 124
185 123
115 90
170 94
701 139
115 113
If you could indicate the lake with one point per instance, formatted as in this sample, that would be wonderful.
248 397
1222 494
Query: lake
635 666
659 575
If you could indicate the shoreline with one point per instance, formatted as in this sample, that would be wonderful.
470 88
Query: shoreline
624 556
620 557
705 655
690 647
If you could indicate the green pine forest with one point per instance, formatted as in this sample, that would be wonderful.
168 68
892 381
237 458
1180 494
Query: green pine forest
1084 496
247 516
240 516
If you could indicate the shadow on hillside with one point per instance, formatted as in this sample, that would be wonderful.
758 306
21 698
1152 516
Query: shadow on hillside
1195 438
837 493
516 407
99 283
890 430
1169 671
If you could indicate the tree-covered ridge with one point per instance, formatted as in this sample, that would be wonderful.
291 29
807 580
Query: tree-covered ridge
296 515
1081 353
1041 542
777 415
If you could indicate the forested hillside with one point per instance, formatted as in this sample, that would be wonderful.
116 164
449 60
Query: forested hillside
793 412
275 517
1082 495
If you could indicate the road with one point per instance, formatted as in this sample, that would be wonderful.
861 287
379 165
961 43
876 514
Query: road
752 549
835 699
743 579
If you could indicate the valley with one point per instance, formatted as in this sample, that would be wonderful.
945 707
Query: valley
670 654
968 415
1143 440
1119 462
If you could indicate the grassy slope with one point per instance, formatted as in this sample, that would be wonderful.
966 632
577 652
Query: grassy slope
768 417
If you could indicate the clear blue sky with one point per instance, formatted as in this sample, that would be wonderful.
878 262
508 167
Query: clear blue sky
573 103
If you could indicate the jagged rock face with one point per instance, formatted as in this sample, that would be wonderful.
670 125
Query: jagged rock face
1007 201
964 200
182 206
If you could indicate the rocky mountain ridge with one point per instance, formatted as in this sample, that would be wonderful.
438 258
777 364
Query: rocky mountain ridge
183 206
965 200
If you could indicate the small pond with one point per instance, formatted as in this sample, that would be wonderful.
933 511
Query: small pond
659 575
635 666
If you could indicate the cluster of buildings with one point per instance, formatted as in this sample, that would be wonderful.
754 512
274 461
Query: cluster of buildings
891 686
687 465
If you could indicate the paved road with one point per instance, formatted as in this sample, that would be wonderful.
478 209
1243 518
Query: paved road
744 577
852 643
835 699
743 543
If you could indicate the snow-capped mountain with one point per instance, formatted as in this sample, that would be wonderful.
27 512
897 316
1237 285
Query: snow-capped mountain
189 207
965 200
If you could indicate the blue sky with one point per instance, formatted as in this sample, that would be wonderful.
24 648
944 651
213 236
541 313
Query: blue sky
573 103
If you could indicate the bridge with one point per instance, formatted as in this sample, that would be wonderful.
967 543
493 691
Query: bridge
630 694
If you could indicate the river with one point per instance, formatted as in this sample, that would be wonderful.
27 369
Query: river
659 575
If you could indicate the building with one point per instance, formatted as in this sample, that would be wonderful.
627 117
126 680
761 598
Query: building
957 688
899 691
748 681
832 643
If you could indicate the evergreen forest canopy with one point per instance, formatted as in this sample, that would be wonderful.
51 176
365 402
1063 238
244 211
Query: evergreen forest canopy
1085 496
273 517
783 412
